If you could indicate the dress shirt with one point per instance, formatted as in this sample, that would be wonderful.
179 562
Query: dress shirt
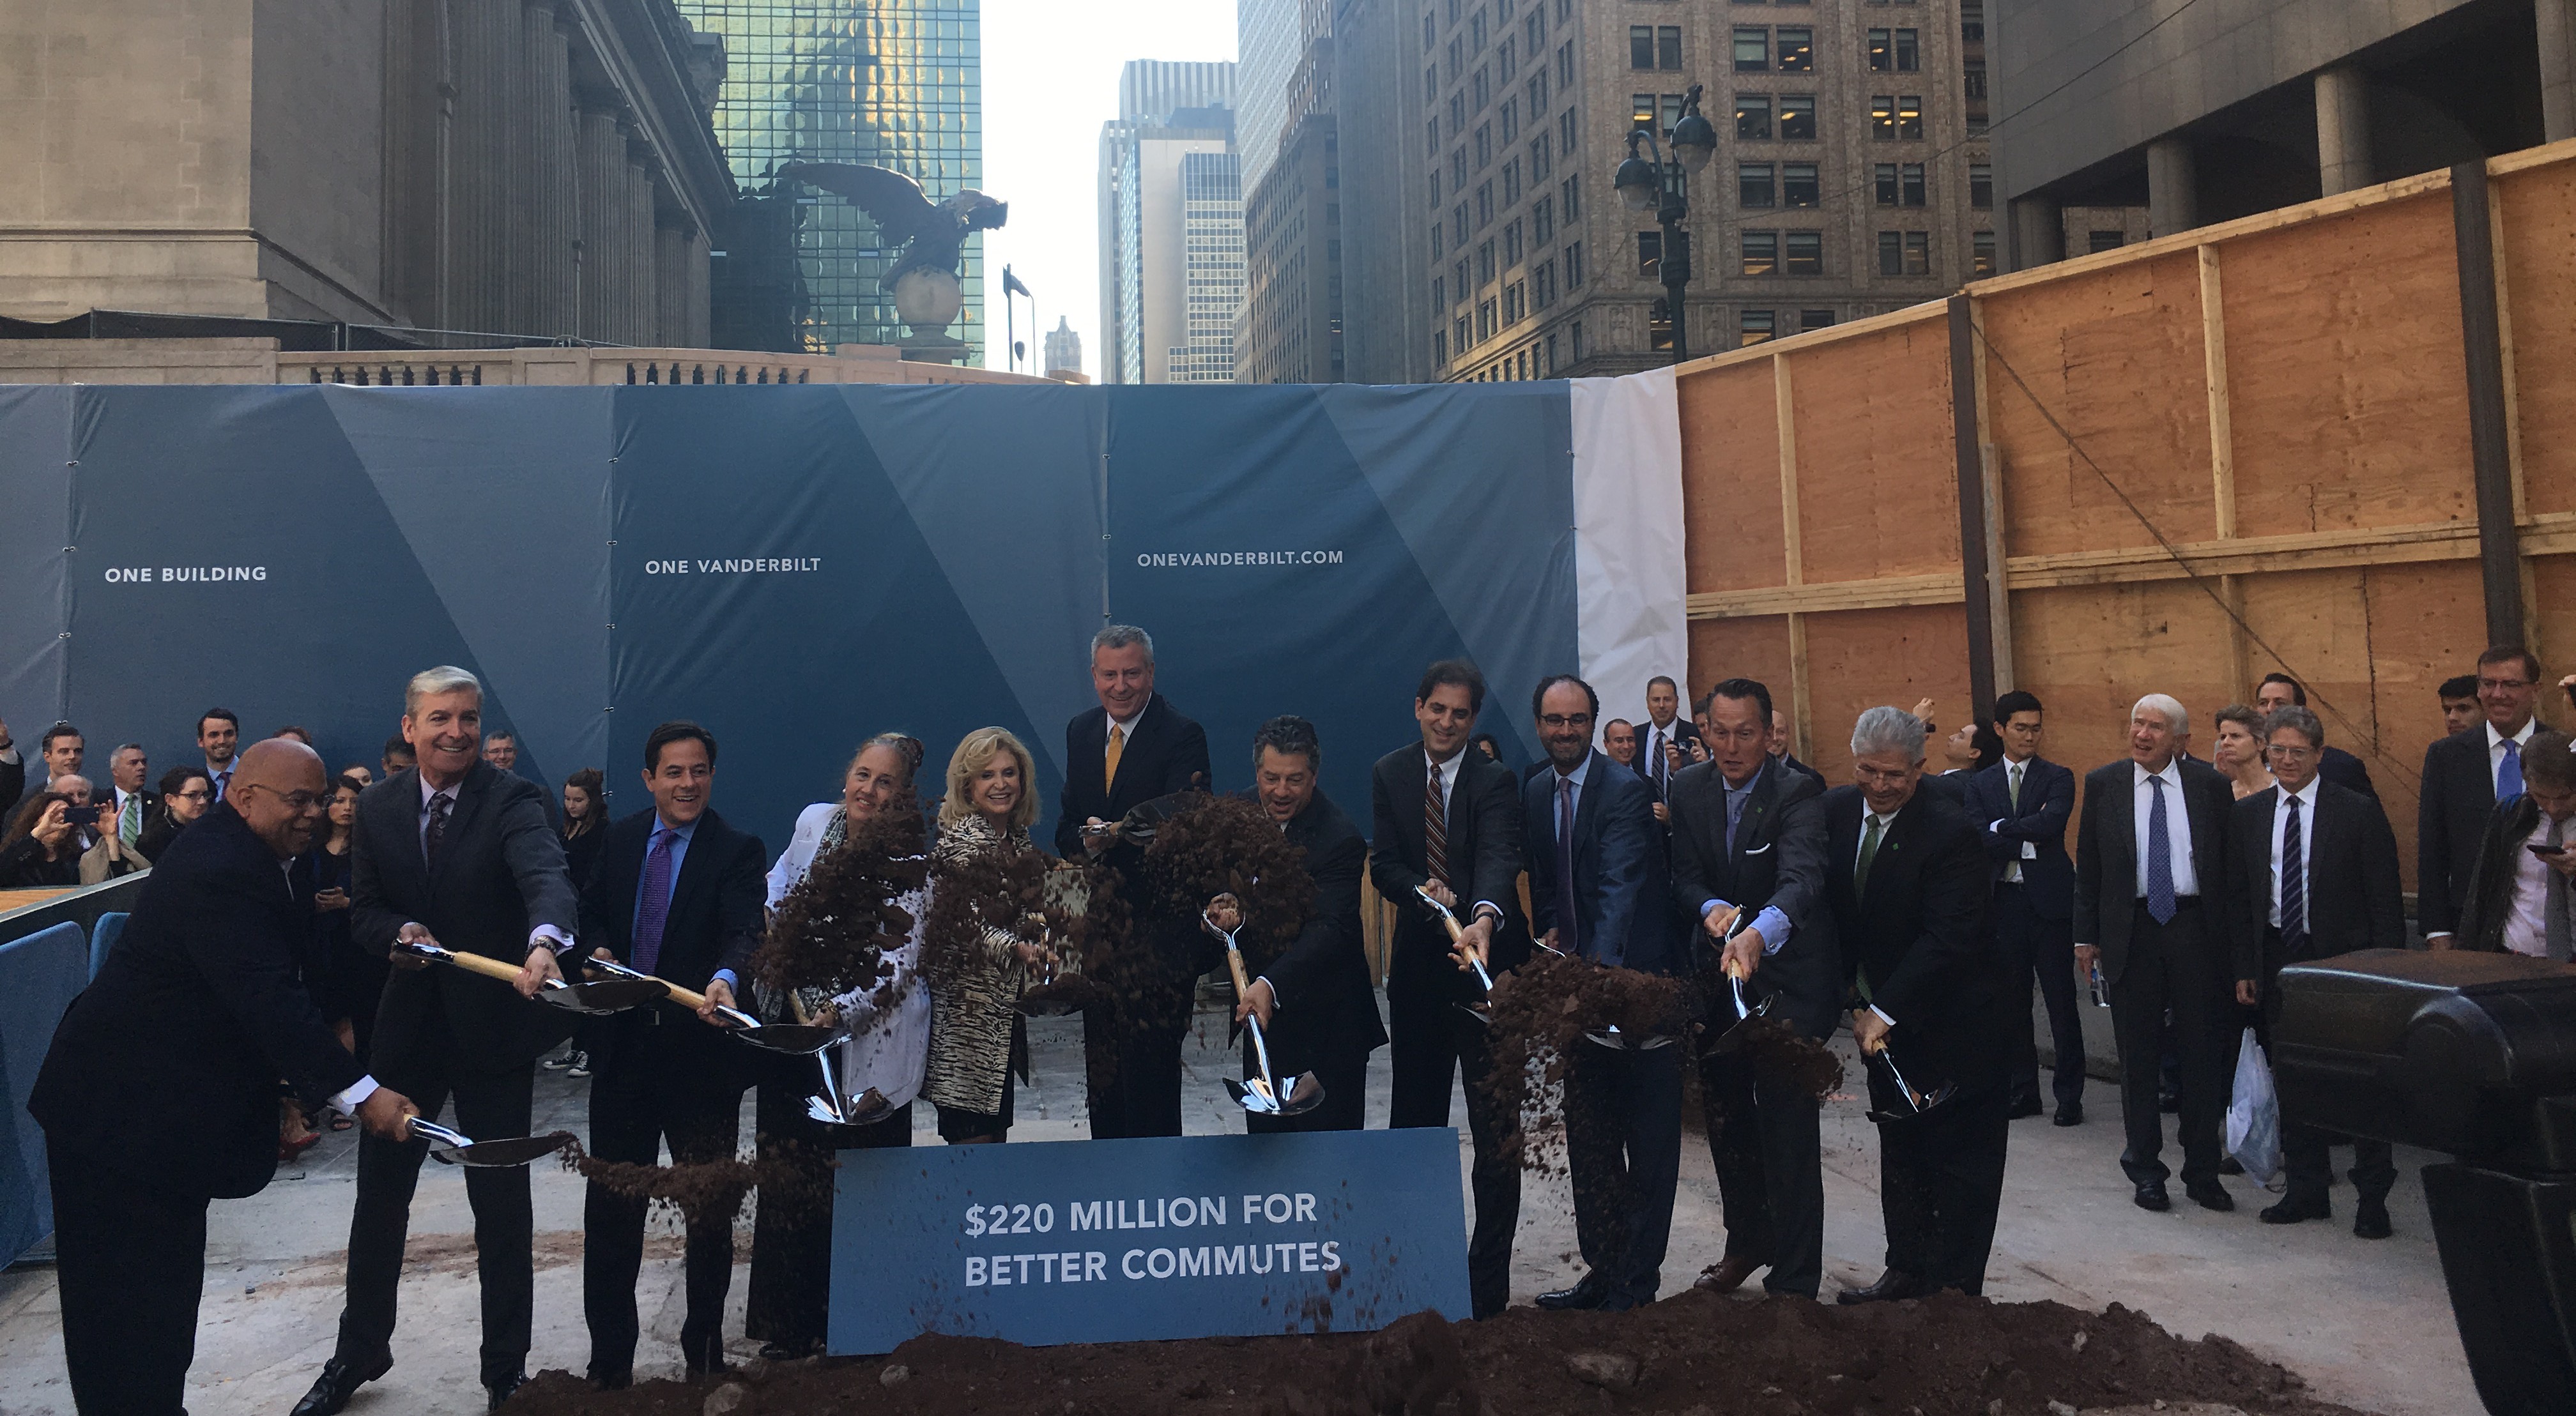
2495 747
1773 925
1448 814
2526 925
222 781
1126 730
555 938
2186 882
680 838
2015 773
2307 798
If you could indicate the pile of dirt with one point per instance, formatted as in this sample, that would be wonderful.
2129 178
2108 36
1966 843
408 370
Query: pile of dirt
702 1191
1543 1010
1692 1355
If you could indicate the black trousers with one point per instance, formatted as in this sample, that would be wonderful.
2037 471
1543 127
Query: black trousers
129 1261
657 1083
1765 1137
490 1105
2182 965
1430 1042
1623 1153
1133 1073
1940 1181
1345 1104
791 1237
2041 949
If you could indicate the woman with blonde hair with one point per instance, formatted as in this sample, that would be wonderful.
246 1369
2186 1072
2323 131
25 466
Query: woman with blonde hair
977 1038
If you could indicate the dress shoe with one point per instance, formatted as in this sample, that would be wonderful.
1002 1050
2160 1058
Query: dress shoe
339 1380
1891 1286
2070 1113
1587 1293
2370 1221
2151 1196
2209 1194
2027 1106
2230 1165
2294 1208
501 1389
1727 1274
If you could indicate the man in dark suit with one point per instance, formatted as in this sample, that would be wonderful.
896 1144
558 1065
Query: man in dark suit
2024 801
2458 696
1783 736
1665 739
456 854
677 894
2150 863
2312 872
1316 1002
1448 820
2517 899
2278 691
2465 775
1908 881
1131 749
132 805
1749 846
1599 890
160 1090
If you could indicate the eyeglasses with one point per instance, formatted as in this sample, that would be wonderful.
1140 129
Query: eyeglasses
1565 720
295 801
2291 752
199 795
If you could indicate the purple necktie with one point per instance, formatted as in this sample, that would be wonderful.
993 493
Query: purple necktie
655 905
1568 935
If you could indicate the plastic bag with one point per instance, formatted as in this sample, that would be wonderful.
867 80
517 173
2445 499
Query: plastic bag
2254 1115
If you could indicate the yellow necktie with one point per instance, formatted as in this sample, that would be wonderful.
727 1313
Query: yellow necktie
1109 767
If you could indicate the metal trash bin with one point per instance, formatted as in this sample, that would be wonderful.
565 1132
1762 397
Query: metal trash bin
2472 1054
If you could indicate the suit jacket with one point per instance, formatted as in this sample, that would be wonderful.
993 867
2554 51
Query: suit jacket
2346 771
2106 853
2047 800
2487 902
1327 1003
169 1060
1790 761
500 875
1918 935
1682 732
13 783
1777 862
2450 821
1167 754
715 921
1484 854
2352 888
1622 905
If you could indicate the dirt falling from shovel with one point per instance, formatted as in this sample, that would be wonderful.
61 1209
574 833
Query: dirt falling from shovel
706 1190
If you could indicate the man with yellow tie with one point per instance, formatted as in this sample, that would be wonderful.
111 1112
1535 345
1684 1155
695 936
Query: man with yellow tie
1131 749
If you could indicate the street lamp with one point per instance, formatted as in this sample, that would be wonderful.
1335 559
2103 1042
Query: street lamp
1653 184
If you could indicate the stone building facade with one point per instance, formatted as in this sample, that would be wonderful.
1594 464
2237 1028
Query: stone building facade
538 169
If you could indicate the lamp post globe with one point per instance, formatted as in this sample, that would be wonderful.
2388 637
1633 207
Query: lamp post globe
1637 181
1694 141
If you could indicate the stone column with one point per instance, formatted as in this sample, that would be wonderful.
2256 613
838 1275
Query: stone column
484 33
552 217
2173 186
2038 232
410 224
637 232
671 281
2343 130
516 230
600 172
2555 24
700 334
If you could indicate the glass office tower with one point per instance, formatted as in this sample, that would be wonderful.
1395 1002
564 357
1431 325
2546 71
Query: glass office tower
897 83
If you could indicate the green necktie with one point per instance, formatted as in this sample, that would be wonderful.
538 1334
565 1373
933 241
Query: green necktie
129 822
1868 853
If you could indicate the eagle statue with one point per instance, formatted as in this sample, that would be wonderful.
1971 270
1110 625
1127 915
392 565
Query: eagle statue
932 234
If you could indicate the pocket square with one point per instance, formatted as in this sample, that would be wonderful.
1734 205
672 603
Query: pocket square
1764 848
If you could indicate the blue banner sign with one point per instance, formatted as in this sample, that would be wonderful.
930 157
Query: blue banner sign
1113 1241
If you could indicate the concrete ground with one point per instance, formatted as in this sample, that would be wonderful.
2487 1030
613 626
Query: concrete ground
2368 1324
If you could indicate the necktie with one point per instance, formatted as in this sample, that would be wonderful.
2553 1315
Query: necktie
1568 935
2160 887
129 822
2012 782
654 906
1435 830
1109 765
2294 886
2509 772
1655 757
1868 852
431 839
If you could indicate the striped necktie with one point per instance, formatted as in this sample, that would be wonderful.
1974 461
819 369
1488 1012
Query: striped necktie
1435 830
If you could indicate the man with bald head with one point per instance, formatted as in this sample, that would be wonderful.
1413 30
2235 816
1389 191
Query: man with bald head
2152 847
160 1090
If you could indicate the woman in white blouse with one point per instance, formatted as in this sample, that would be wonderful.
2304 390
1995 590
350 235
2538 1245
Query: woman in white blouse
881 1063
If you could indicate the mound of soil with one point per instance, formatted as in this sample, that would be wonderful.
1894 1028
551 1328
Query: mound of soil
1692 1355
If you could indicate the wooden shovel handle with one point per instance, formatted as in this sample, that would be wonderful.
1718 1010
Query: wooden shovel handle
485 965
691 1001
1450 922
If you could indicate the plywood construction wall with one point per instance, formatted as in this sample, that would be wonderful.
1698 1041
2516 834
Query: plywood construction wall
2270 417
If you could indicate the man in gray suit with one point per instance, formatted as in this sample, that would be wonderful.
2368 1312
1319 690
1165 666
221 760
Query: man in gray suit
455 853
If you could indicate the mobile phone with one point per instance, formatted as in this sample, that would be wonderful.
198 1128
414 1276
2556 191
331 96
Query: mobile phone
2547 852
81 815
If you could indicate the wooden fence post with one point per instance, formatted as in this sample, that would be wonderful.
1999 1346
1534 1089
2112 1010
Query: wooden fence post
2490 444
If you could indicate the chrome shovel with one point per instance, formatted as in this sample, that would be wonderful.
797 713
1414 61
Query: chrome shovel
1262 1095
1917 1104
1449 921
794 1039
455 1148
1745 1012
593 999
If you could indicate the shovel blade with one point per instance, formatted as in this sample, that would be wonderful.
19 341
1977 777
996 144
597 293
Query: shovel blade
605 996
488 1155
1252 1096
794 1039
1305 1093
1479 1014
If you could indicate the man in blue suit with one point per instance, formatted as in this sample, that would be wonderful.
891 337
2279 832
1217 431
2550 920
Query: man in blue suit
1600 890
2024 802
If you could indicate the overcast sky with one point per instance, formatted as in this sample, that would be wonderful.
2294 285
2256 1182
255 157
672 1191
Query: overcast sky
1050 81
